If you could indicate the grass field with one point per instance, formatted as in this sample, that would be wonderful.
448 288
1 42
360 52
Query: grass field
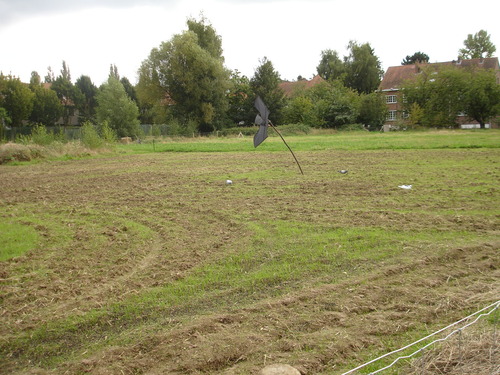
144 261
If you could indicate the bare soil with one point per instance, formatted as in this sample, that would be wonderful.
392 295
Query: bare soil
113 228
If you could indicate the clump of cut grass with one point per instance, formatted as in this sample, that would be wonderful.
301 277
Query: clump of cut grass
13 152
10 152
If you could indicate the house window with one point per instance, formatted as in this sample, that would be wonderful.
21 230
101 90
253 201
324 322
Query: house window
391 99
391 116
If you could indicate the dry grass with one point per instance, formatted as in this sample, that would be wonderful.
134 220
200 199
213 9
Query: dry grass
474 351
16 152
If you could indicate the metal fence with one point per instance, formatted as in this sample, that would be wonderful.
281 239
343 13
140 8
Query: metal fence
69 132
461 354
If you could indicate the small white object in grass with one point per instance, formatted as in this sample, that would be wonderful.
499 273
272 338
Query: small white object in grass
229 182
406 187
343 171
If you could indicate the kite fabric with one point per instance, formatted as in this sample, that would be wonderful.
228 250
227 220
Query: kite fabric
262 120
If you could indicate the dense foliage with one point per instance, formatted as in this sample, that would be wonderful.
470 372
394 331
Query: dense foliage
117 109
477 46
436 96
187 72
265 83
360 70
417 57
184 87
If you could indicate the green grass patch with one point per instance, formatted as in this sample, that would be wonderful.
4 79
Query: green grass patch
281 256
337 141
16 239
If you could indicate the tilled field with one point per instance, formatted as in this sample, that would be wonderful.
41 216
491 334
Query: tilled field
152 264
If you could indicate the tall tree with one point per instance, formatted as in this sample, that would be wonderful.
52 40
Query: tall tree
69 95
265 83
193 78
154 106
207 36
4 121
417 57
299 110
437 94
4 116
88 104
477 46
35 80
113 72
482 99
363 67
241 100
65 73
334 104
330 66
372 110
47 108
16 98
50 77
129 89
117 109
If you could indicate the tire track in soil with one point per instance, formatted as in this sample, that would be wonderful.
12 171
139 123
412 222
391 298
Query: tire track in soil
287 328
349 318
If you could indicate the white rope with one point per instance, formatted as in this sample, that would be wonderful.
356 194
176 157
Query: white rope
493 307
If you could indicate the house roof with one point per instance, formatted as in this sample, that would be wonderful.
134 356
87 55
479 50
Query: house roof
290 88
395 75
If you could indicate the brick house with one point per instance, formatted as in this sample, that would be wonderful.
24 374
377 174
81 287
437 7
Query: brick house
396 75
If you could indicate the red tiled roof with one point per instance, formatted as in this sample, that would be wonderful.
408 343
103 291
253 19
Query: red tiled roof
289 88
395 75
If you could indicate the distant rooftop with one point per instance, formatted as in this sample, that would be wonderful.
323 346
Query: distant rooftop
290 88
395 75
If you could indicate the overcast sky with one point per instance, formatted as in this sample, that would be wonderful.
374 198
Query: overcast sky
90 35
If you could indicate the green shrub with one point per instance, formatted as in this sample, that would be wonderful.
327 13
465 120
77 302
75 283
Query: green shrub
190 128
90 137
108 135
156 131
23 139
352 127
42 137
294 129
174 128
186 129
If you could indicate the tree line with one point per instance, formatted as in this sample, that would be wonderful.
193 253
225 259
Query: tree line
184 82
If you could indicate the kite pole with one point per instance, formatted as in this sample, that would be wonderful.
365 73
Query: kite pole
263 121
286 144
